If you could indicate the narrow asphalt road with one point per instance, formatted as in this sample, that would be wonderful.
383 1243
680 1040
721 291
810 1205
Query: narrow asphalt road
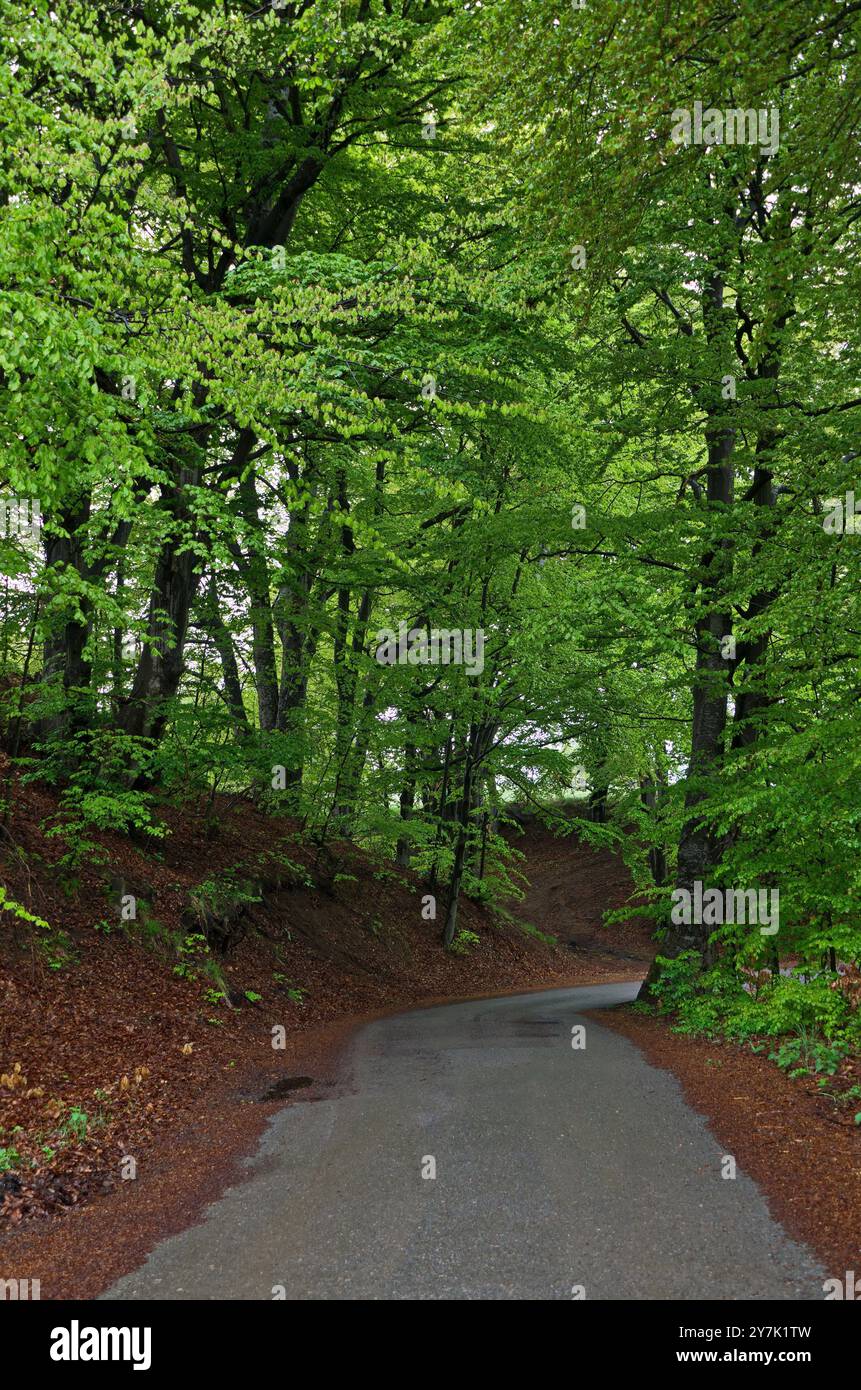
557 1168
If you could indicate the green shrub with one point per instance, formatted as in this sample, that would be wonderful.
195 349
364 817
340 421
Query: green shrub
9 1159
464 942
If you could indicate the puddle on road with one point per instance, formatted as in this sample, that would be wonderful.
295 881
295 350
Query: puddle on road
283 1088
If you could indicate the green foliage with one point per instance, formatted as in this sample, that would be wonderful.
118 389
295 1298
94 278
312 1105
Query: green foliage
281 393
10 1159
75 1125
222 892
53 944
96 769
463 942
803 1054
193 949
8 904
815 1023
294 993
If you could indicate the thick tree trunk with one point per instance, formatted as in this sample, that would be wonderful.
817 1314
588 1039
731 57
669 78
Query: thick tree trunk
698 848
751 700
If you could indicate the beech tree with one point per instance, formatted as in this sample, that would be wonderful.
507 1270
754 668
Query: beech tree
530 327
718 263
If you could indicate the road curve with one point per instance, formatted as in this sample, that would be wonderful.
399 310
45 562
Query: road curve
557 1168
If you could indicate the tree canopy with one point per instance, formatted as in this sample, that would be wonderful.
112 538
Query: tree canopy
412 408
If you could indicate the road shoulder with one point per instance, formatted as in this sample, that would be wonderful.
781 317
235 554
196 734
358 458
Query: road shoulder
804 1155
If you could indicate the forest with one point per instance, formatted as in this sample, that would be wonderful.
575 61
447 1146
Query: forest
421 414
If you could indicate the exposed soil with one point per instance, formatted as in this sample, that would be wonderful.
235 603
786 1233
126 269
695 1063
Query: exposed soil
801 1147
571 886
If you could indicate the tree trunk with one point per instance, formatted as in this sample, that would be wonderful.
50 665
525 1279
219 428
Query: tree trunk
220 635
698 848
407 805
144 713
63 657
651 789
